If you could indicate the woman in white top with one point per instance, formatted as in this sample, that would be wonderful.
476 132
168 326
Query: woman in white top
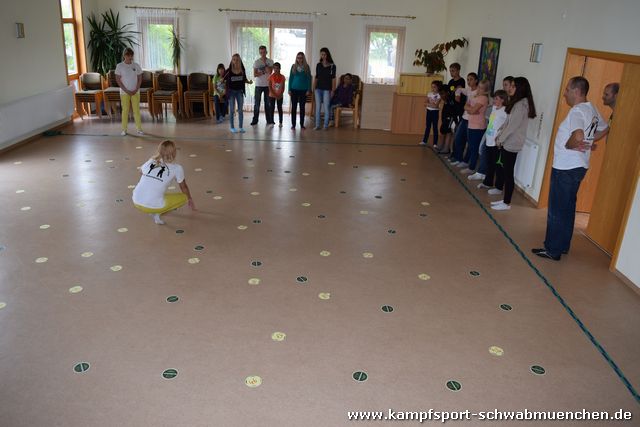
157 173
129 78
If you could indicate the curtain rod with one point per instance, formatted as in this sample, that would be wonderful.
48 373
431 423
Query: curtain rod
273 11
161 8
382 16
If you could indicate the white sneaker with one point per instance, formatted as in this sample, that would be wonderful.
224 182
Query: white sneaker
453 162
494 191
140 132
123 133
476 177
481 185
497 202
466 171
462 165
157 220
501 207
422 143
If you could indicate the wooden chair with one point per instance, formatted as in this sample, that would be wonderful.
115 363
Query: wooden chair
198 90
311 99
91 90
167 90
111 93
355 108
146 90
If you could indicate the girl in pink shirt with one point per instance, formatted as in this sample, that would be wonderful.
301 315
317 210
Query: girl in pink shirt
476 108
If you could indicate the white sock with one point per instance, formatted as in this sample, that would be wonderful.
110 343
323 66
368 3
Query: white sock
157 220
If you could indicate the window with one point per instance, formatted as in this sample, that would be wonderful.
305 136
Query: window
384 49
282 39
73 39
156 29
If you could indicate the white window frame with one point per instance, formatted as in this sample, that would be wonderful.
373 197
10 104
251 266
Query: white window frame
143 23
401 32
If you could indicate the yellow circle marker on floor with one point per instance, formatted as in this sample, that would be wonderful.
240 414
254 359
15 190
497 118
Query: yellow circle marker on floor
425 203
325 253
496 351
131 187
306 204
25 208
75 289
193 155
86 254
17 163
305 174
403 164
364 212
253 381
424 276
198 169
254 281
139 147
228 151
19 191
2 305
324 295
42 260
193 260
242 227
255 193
367 255
123 230
108 161
217 197
331 163
278 336
44 226
293 189
116 267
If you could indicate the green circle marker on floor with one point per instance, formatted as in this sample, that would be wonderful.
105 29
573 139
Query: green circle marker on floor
360 376
209 191
301 279
378 197
538 370
179 231
172 298
322 216
170 374
387 308
256 263
198 248
257 221
474 273
391 231
423 215
454 385
81 367
506 307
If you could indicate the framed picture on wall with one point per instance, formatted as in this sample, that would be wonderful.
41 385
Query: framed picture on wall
488 65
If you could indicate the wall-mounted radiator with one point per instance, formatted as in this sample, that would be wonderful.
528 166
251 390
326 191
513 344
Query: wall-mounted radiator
526 164
27 117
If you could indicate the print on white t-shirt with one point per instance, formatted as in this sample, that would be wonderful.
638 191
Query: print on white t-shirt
581 116
496 120
155 179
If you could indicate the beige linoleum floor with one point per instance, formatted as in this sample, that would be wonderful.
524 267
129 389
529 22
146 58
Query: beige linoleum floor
312 258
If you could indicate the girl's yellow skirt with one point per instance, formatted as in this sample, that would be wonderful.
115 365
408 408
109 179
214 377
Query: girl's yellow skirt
172 201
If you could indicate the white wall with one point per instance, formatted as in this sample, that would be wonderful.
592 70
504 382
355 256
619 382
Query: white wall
628 257
34 64
207 33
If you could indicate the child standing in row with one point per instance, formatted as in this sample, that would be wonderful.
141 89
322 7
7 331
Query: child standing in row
433 111
475 108
157 173
276 90
449 121
219 93
496 120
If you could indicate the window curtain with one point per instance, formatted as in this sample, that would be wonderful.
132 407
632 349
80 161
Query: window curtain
394 52
155 27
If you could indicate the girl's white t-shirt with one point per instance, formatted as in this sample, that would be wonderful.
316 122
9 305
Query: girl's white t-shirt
496 120
154 182
128 74
435 98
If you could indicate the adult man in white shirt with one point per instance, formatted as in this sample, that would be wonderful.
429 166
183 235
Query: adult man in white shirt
262 68
572 149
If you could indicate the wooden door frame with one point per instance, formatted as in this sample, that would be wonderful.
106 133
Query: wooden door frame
544 190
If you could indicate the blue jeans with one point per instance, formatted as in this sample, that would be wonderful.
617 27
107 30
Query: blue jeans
432 122
235 96
475 136
260 92
482 168
323 97
561 214
460 140
221 106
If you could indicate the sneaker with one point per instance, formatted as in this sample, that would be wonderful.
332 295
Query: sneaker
443 153
254 123
422 143
325 128
140 132
453 162
476 177
280 125
542 253
500 206
293 127
461 165
481 185
157 220
316 128
466 171
242 130
494 191
497 202
123 133
234 130
302 127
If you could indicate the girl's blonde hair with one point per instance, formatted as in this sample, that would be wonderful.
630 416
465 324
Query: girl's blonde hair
486 84
166 152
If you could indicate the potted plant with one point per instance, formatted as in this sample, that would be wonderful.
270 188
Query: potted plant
433 60
107 40
176 50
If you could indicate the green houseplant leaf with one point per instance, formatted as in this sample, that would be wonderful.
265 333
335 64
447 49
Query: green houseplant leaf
433 60
107 40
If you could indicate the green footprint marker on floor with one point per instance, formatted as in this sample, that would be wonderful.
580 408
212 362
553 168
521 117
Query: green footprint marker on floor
391 231
198 248
360 376
257 221
172 298
538 370
301 279
81 367
454 385
474 273
506 307
256 263
170 374
387 308
179 231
